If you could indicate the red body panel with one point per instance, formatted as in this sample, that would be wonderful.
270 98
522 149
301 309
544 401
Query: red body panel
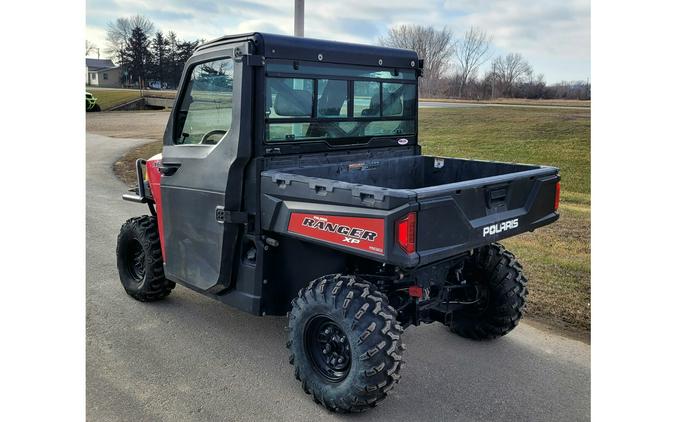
154 177
366 234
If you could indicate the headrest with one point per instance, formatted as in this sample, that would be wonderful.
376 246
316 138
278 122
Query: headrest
374 107
332 98
293 103
393 106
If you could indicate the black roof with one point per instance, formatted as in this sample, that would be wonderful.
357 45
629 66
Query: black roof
276 46
96 64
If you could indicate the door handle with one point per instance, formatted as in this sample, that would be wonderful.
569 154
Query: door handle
168 169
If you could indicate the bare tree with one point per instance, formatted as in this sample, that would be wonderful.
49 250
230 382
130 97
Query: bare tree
471 52
90 47
511 70
432 45
119 32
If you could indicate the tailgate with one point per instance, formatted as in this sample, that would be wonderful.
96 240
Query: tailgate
466 212
457 217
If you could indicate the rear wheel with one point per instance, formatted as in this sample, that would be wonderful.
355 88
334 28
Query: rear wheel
139 260
502 292
345 343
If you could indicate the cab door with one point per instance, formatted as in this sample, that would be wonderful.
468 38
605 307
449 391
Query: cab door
204 155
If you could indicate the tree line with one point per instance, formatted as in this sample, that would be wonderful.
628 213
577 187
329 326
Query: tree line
452 67
148 58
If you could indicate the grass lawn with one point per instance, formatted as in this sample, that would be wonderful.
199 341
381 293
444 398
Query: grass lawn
556 258
125 167
111 97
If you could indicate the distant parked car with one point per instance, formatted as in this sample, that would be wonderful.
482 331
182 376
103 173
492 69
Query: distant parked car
157 85
90 102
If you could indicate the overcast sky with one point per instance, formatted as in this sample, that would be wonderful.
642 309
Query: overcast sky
553 35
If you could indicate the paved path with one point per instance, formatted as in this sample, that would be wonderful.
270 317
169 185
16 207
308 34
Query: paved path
191 358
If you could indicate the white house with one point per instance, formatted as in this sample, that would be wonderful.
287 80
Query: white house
103 73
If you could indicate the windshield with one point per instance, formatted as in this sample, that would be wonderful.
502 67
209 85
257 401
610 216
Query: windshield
316 102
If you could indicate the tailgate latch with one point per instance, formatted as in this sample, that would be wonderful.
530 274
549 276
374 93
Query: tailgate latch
496 196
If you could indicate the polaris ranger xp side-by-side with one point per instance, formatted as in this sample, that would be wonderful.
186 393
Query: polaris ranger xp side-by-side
291 181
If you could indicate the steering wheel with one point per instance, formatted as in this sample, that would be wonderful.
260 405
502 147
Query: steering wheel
205 139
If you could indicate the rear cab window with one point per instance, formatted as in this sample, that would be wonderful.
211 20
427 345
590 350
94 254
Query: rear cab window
313 102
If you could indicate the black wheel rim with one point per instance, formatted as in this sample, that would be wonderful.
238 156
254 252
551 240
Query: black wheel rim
135 259
328 348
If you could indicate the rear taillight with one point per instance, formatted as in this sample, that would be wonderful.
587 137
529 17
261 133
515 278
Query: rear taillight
415 291
405 232
556 203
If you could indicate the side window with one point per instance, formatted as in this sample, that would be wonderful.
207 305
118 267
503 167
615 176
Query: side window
205 112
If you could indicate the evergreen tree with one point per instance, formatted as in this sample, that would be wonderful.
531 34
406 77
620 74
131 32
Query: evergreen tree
173 64
138 55
145 57
185 50
160 52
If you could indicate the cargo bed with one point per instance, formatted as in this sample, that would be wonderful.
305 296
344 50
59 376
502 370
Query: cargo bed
459 204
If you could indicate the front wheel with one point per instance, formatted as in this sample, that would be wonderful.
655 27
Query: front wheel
139 260
345 343
502 292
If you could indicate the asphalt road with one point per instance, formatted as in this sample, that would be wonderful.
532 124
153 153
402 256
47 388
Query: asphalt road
191 358
441 104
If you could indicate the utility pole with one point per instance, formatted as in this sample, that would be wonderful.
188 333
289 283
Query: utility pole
299 30
494 74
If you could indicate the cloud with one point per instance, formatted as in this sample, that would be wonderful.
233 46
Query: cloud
167 15
554 35
546 27
259 25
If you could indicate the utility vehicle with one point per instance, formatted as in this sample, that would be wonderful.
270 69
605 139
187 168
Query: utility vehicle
90 102
291 182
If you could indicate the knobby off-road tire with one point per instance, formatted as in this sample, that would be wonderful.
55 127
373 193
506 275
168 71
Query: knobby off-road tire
139 260
351 318
503 290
